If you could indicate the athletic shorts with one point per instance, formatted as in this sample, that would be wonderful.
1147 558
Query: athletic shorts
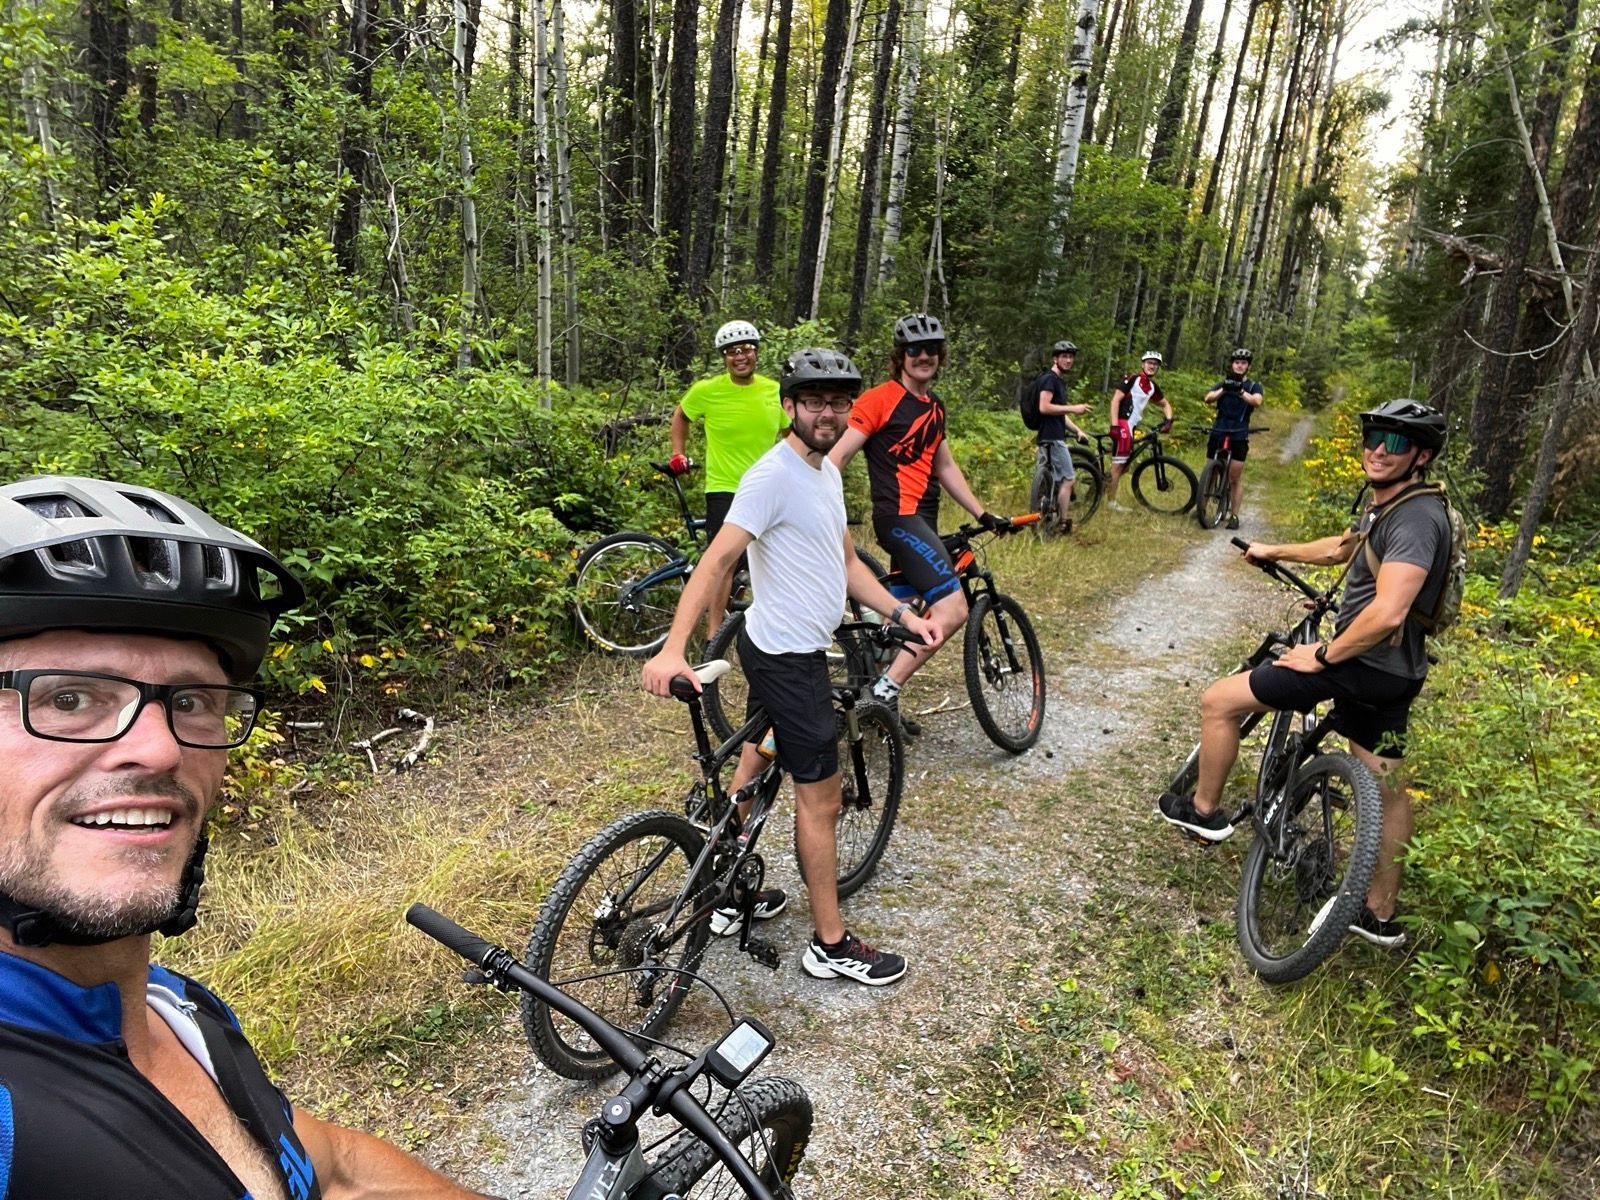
1055 453
1240 447
717 506
916 550
1370 707
1121 442
793 690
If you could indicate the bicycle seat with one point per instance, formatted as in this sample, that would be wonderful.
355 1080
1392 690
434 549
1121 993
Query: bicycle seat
706 673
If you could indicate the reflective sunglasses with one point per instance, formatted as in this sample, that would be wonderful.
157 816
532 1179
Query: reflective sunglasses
1394 443
815 404
86 706
741 348
925 350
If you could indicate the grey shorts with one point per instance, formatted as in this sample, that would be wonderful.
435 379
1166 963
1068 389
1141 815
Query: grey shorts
1055 453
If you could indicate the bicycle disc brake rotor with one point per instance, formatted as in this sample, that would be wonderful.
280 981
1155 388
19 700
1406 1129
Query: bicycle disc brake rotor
1313 872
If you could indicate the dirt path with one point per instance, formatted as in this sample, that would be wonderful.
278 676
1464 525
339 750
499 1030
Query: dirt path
993 857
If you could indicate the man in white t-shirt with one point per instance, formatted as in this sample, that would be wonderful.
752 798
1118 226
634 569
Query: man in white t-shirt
788 513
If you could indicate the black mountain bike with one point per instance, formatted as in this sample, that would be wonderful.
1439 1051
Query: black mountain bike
1003 663
1045 491
1215 502
627 923
1161 483
626 585
1317 819
749 1141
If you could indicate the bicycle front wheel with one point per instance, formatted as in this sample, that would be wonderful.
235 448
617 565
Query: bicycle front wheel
1212 504
872 772
1314 860
769 1121
1005 672
626 590
1165 485
599 937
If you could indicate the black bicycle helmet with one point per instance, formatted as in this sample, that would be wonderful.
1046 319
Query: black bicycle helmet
918 327
1064 347
80 553
1241 352
818 367
1422 424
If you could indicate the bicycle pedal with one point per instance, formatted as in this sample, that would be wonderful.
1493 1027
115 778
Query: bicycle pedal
1197 839
763 951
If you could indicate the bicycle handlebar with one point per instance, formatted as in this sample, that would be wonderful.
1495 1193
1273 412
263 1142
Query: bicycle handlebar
666 468
1283 575
502 970
1013 525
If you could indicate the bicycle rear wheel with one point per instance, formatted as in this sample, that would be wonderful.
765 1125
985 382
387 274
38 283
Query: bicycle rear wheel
1329 825
1005 672
1042 500
604 915
1165 485
723 700
1087 488
1212 504
769 1121
872 770
614 608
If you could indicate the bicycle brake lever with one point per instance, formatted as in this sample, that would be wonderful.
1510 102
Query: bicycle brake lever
475 977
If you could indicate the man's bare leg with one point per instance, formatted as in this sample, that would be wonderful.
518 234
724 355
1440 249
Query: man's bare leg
816 831
1223 706
950 614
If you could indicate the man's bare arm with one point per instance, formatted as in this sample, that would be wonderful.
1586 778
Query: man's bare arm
351 1165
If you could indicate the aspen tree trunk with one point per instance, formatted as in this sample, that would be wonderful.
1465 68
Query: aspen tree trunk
469 204
841 108
1102 65
36 112
900 156
658 114
872 156
935 267
725 280
1070 138
395 257
542 192
771 155
569 225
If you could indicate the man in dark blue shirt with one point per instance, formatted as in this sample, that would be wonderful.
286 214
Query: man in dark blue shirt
1236 397
1054 423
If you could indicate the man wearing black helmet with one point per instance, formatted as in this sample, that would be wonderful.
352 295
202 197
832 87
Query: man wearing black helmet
1236 397
1055 422
1374 666
788 513
129 624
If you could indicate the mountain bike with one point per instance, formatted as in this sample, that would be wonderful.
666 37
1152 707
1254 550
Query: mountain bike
1045 490
626 585
1215 502
753 1140
627 923
1001 659
1161 483
1317 819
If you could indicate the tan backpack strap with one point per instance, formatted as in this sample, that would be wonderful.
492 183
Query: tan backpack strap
1373 563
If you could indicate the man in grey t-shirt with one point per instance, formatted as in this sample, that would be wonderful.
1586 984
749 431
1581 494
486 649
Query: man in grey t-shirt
1373 667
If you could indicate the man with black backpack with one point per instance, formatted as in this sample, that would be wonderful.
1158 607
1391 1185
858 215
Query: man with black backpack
1050 411
1405 561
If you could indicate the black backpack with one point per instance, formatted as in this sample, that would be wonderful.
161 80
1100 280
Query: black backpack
1028 387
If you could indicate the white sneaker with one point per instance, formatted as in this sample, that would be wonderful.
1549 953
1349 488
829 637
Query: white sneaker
771 902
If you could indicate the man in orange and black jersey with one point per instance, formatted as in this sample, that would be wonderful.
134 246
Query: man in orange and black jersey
901 424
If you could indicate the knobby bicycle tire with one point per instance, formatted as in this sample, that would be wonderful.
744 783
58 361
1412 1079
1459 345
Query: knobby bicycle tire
771 1128
871 791
610 616
1042 500
1089 488
1211 504
601 916
1005 672
1334 818
1165 485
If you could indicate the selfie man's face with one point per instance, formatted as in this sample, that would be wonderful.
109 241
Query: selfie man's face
99 832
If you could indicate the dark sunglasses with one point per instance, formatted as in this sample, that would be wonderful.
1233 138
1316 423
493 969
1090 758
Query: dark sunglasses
815 404
925 350
1394 443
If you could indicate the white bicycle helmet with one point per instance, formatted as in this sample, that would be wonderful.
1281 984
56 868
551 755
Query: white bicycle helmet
736 332
1152 356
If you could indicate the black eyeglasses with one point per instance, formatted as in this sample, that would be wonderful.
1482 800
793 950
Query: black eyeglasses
815 404
86 706
1394 443
925 350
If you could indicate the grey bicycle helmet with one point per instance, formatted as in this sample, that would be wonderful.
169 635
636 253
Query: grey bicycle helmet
1422 424
1065 347
918 327
736 333
80 553
818 367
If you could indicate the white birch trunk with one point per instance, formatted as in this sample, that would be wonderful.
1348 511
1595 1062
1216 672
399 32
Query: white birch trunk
900 156
469 204
1079 58
935 267
569 225
541 191
36 112
395 257
728 189
835 150
658 120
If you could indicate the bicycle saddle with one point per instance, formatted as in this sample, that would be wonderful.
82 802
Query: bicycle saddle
706 673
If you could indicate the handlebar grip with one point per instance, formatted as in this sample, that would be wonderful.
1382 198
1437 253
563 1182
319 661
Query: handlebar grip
447 933
1240 542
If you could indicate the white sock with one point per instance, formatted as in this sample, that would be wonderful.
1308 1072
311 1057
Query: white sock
885 689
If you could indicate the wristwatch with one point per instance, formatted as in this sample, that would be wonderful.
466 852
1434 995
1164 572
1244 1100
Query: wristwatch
899 611
1321 654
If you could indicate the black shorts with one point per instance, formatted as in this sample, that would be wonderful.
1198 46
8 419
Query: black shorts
1370 707
793 690
1240 447
717 506
917 552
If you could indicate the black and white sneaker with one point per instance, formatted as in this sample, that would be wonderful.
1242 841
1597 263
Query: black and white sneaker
1180 811
852 959
1233 520
771 902
1375 929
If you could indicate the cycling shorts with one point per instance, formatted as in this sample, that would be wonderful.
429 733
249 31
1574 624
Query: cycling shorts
1240 448
794 691
1121 441
1056 454
916 550
1370 707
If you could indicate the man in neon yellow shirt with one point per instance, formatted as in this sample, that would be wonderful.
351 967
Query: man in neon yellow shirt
743 417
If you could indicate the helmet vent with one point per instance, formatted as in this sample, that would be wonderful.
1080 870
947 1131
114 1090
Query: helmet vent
71 556
154 510
56 508
219 564
153 562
